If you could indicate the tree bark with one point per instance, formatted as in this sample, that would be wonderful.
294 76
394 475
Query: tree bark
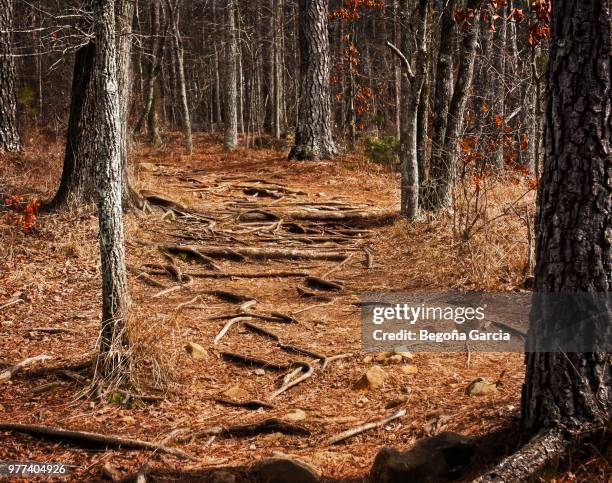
9 134
574 245
442 166
313 134
78 183
108 151
230 138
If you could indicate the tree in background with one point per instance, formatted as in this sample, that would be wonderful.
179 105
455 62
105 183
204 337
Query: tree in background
78 183
9 135
230 138
313 133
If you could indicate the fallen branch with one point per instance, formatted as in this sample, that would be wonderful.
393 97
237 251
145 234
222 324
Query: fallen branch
167 291
87 437
11 371
349 433
11 302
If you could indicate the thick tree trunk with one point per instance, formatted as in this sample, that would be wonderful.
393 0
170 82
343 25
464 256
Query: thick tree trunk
313 134
442 166
574 245
230 138
9 135
78 183
108 152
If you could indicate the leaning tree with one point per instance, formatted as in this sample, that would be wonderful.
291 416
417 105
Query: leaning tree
9 135
568 393
313 133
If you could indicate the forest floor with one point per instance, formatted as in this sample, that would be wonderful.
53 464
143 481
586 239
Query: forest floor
54 270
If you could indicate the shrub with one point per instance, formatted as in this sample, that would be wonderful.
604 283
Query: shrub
382 150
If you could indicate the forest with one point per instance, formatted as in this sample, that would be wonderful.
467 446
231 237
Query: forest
281 241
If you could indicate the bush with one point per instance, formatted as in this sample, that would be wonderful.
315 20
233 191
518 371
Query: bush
382 150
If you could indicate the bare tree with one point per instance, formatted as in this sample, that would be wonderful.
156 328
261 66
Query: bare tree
9 135
230 140
313 134
174 10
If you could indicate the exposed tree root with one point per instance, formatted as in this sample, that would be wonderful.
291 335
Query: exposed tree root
349 433
7 374
85 437
307 370
254 361
227 327
231 297
250 404
279 274
322 284
530 461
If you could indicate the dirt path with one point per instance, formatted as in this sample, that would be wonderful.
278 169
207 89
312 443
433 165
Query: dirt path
309 221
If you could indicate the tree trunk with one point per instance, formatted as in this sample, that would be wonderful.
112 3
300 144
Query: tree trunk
412 84
78 183
313 134
442 166
9 135
574 248
230 139
441 99
180 66
108 152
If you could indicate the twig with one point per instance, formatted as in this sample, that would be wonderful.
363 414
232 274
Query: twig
167 291
349 433
338 266
10 302
402 58
329 359
88 437
50 330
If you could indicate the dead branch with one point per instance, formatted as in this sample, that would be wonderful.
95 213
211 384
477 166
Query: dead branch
11 302
369 258
88 437
11 371
50 330
167 291
349 433
337 267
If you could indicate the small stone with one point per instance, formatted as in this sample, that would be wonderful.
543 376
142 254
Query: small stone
128 419
236 393
394 359
405 355
147 167
480 387
367 359
295 415
259 372
111 472
409 369
374 377
284 470
196 351
383 356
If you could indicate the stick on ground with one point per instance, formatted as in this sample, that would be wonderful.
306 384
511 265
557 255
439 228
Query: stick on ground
11 371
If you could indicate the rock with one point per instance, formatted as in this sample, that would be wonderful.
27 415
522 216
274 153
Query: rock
431 460
284 470
222 476
236 393
196 351
409 369
394 359
367 359
147 167
259 372
383 356
295 415
374 377
111 472
405 355
480 387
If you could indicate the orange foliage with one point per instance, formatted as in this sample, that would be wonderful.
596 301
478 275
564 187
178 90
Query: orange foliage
23 215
